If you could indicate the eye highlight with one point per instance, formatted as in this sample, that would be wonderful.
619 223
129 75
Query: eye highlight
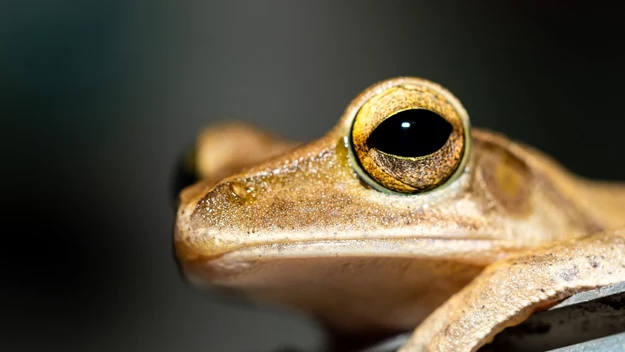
410 133
410 137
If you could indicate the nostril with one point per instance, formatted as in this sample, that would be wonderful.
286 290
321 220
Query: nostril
220 194
242 191
225 195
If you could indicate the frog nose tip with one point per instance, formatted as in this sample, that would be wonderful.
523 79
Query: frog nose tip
196 235
197 255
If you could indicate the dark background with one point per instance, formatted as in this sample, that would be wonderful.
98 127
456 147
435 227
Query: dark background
97 99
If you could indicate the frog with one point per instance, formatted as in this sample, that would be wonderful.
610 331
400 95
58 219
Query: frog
403 217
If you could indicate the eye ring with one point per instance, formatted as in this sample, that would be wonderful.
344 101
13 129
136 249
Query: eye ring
413 173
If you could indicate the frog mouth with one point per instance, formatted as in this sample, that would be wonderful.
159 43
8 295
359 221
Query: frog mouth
475 249
250 264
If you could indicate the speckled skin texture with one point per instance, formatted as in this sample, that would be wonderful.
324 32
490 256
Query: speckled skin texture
512 232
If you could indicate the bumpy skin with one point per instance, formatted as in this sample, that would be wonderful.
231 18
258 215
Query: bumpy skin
513 233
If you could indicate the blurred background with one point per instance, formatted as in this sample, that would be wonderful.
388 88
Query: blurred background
98 99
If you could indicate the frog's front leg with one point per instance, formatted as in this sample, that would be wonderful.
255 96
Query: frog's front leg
508 292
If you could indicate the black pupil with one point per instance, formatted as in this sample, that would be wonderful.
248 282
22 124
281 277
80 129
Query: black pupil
411 133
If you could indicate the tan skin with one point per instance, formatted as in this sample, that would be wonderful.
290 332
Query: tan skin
456 244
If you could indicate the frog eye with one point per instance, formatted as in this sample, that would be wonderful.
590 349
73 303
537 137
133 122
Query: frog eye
410 137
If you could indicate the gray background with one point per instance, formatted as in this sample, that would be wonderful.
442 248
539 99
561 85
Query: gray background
97 99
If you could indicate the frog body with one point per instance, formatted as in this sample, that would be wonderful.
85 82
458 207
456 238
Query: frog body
371 242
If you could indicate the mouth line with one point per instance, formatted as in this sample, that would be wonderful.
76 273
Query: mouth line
426 247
